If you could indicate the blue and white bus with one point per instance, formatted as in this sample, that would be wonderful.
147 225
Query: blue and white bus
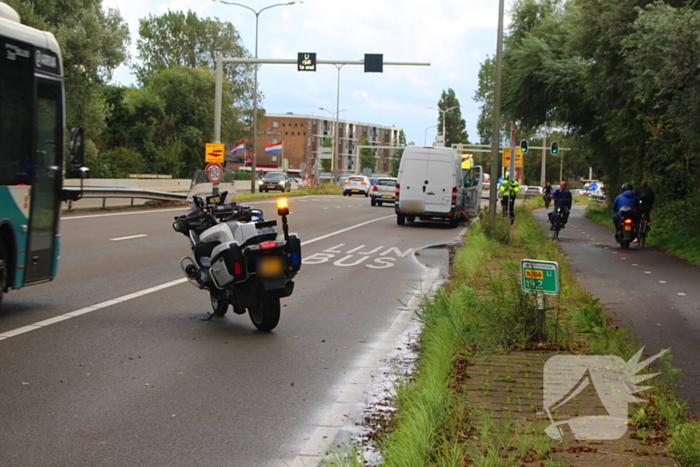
31 153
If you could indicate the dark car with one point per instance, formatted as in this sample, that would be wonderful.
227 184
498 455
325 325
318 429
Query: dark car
275 181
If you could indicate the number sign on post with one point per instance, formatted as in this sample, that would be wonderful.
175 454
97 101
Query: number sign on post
540 276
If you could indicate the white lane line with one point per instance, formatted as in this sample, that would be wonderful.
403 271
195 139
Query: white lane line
647 272
682 294
127 238
82 311
123 298
662 282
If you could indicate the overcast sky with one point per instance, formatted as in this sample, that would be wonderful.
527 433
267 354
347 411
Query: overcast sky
454 36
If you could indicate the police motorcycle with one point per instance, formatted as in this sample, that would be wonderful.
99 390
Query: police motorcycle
628 227
239 257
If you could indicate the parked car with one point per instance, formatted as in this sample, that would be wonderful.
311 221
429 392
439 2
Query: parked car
533 192
384 191
357 184
275 181
486 190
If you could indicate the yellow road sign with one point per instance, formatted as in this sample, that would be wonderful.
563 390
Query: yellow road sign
214 152
518 158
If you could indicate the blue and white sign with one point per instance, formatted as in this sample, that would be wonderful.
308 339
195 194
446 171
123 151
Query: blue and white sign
593 186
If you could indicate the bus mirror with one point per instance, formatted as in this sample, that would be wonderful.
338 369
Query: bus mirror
77 148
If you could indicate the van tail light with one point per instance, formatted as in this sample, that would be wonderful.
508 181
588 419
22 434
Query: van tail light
374 188
398 187
454 195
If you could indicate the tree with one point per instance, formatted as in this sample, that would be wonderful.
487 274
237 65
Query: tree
93 44
455 126
182 39
367 160
398 154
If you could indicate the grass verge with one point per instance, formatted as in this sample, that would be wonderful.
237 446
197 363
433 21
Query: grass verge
483 311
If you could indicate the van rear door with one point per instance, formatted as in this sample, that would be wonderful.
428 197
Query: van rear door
411 179
438 184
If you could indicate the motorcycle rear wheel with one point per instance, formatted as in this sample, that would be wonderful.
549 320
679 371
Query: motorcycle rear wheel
218 303
266 314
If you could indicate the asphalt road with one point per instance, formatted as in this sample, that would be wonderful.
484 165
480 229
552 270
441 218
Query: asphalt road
111 364
654 295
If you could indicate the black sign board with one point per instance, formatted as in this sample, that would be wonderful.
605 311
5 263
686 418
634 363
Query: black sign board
306 61
374 63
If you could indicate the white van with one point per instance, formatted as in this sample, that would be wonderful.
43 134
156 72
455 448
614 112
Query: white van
430 186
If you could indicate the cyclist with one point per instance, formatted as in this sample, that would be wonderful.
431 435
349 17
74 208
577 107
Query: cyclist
509 190
645 196
562 199
547 194
626 198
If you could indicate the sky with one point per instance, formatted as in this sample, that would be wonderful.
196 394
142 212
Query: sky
454 36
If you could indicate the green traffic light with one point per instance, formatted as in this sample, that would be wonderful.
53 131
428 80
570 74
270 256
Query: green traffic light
554 148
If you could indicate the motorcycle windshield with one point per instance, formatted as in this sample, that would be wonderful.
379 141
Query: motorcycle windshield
201 186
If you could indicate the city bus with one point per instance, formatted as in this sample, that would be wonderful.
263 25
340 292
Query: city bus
31 153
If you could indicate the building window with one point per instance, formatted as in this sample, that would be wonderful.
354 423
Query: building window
274 141
275 125
308 141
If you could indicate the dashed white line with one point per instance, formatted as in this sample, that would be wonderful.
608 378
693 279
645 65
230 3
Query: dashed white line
127 238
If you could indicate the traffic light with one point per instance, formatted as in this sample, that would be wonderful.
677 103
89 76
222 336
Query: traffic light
555 148
524 146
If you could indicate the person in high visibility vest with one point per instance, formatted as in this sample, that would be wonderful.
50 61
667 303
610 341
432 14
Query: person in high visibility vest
509 190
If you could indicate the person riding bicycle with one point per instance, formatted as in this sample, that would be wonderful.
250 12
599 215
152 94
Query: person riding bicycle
562 199
509 190
645 196
547 194
626 198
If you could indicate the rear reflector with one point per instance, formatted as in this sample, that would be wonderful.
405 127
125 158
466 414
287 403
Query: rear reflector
237 269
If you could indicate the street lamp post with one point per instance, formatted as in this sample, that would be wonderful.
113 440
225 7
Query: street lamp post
425 139
253 164
336 135
444 137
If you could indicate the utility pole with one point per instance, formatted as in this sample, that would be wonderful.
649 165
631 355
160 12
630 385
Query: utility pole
496 118
543 170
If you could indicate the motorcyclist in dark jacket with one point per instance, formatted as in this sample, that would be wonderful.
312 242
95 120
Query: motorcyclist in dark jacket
627 198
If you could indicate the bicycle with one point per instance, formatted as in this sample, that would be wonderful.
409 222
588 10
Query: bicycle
643 228
556 222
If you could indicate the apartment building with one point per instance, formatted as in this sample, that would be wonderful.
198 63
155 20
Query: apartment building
303 136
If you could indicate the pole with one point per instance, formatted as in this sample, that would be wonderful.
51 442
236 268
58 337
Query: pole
543 170
253 163
337 117
540 317
496 117
511 169
561 166
217 111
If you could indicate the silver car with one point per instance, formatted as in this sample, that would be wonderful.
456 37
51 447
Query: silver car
356 185
384 191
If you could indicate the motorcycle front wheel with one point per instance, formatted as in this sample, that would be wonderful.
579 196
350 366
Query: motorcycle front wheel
218 303
266 314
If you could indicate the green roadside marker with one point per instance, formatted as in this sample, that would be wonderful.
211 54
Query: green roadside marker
540 276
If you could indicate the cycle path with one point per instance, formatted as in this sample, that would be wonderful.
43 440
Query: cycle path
654 295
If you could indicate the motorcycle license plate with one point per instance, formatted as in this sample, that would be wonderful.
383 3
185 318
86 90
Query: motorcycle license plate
270 266
628 227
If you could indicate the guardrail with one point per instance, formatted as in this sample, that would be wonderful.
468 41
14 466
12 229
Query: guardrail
106 193
597 199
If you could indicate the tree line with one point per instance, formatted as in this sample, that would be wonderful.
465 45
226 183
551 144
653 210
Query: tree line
161 124
619 81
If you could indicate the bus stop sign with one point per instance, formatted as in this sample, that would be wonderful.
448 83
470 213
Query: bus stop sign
540 276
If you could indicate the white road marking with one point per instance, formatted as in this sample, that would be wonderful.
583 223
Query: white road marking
662 282
635 265
127 238
681 294
647 272
123 298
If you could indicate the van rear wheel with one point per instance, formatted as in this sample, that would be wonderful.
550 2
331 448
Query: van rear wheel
401 219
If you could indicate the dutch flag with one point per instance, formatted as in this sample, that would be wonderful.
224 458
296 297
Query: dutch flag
274 148
237 149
